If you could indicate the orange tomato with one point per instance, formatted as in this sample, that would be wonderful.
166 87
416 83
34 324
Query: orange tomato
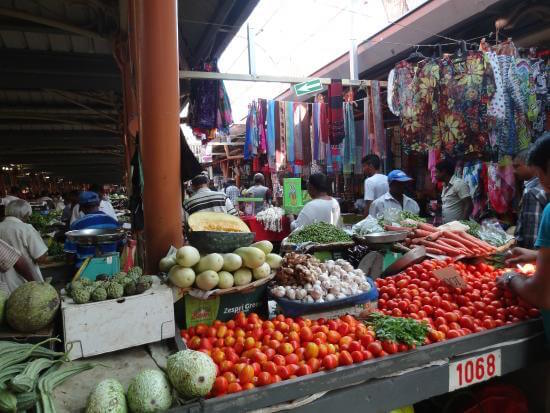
311 350
323 350
230 377
249 343
345 341
306 334
218 356
294 336
285 348
222 331
321 336
246 375
230 341
277 335
333 336
248 386
314 363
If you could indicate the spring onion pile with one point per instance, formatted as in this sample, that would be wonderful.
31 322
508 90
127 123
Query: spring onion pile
320 233
398 329
29 373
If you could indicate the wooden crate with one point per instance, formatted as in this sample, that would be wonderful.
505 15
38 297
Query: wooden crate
102 327
8 334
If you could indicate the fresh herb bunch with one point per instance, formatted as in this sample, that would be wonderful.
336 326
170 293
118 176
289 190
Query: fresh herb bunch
398 329
473 226
410 215
321 233
39 222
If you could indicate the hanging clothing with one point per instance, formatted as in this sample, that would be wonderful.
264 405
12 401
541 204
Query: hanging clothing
271 136
289 126
379 132
392 103
466 87
501 185
349 139
251 134
260 118
540 80
335 112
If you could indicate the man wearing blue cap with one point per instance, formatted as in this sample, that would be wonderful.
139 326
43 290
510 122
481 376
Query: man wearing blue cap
395 199
93 219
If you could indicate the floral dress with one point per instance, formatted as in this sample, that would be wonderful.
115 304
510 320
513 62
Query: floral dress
415 99
466 87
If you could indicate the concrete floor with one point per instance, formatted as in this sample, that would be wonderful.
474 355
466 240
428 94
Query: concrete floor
71 396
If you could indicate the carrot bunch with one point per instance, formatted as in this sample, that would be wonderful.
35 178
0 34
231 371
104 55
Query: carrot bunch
448 243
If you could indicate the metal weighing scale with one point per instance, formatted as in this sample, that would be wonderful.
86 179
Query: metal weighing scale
100 245
384 259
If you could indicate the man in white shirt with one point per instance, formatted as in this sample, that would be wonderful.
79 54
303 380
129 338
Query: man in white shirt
376 184
25 239
395 199
456 200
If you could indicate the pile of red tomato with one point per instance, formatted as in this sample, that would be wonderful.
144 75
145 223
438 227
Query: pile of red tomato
451 312
251 352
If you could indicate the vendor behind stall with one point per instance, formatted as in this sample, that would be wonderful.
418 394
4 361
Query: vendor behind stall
535 289
204 199
456 199
395 199
93 218
24 238
376 184
321 208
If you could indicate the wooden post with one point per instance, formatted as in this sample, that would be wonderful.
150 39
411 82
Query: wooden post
158 91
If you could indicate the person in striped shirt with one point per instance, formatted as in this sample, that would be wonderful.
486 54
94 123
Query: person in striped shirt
11 258
204 199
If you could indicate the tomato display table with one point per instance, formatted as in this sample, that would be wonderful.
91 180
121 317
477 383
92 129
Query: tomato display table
263 234
383 384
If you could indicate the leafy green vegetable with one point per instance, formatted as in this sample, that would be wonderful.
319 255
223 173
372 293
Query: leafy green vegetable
473 226
398 329
55 249
410 215
321 233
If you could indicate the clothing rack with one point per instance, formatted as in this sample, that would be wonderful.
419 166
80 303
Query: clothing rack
191 74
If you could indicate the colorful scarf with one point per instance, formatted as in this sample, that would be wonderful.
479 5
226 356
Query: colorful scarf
271 137
335 116
349 138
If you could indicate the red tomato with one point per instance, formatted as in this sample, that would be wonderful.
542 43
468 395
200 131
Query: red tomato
269 367
234 388
354 346
375 348
357 356
220 386
264 379
282 372
453 334
330 362
306 334
345 358
389 347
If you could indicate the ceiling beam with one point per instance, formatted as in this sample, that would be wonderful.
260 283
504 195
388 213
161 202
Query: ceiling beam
56 24
22 69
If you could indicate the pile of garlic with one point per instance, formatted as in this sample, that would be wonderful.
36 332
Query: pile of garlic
331 280
271 218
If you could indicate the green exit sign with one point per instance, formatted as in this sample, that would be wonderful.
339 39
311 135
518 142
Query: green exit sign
313 85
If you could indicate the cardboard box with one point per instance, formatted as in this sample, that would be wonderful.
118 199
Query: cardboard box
105 326
191 311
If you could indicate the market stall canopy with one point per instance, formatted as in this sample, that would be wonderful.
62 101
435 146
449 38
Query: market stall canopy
60 86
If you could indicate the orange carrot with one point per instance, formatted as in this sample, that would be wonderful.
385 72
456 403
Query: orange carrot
427 227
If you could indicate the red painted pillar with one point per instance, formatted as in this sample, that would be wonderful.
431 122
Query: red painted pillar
158 86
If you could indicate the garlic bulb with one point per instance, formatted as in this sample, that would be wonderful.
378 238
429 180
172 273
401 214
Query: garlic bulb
291 294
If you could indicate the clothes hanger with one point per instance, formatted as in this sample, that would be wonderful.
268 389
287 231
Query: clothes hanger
415 56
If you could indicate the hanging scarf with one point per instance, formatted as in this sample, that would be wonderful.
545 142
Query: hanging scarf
316 129
297 127
289 126
349 139
281 155
366 125
336 116
306 135
379 135
262 108
251 134
270 136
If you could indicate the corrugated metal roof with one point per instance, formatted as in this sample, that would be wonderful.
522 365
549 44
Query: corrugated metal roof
60 88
